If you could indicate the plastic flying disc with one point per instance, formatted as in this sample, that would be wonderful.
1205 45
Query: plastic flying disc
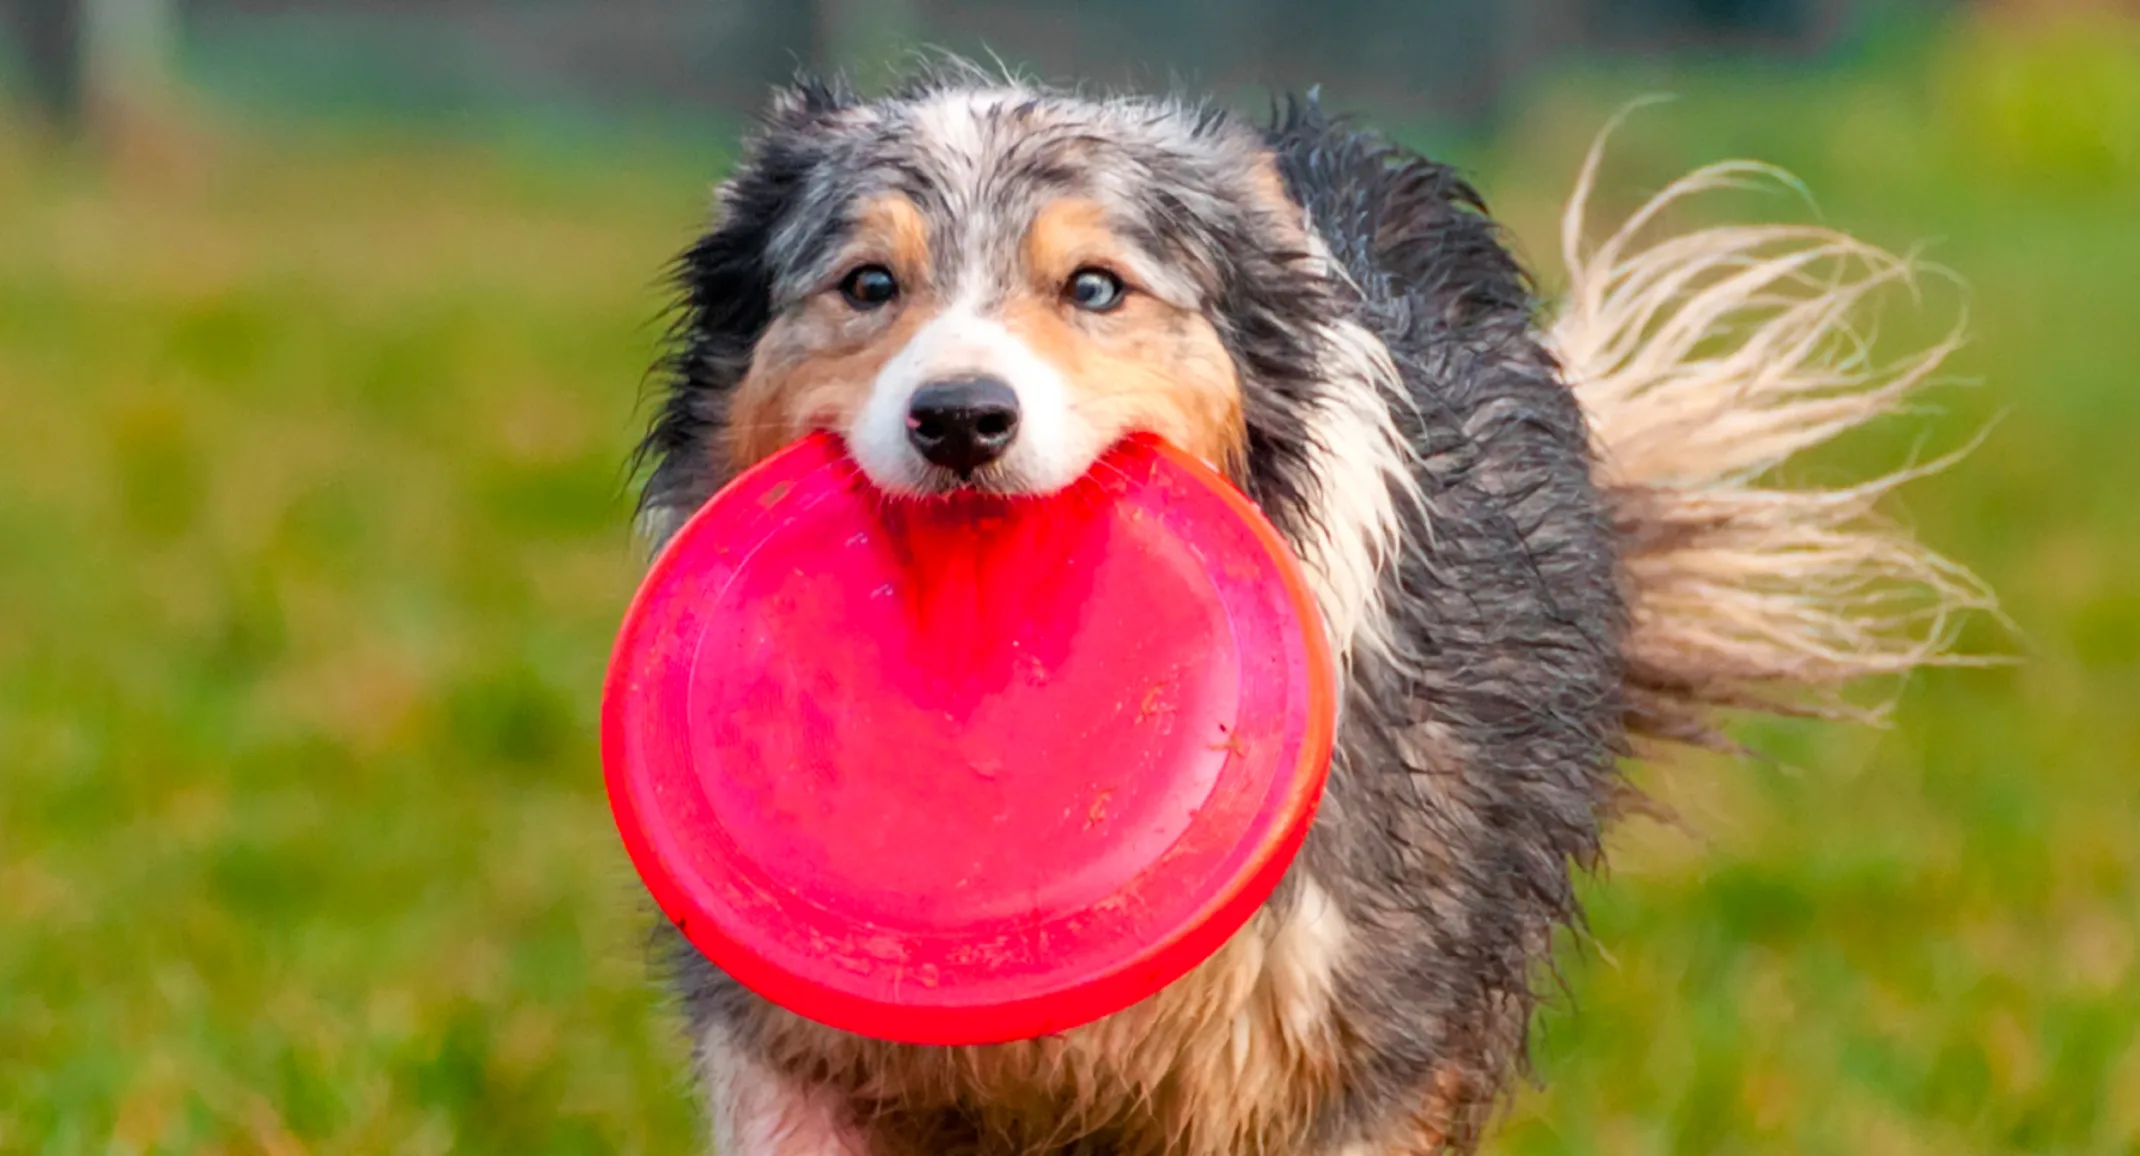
968 769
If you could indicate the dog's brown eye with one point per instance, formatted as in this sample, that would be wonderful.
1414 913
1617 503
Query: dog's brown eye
1095 290
869 286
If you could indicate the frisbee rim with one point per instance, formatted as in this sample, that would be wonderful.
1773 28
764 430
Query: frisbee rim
1120 984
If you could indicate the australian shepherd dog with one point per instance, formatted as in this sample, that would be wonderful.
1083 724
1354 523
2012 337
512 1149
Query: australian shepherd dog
1540 532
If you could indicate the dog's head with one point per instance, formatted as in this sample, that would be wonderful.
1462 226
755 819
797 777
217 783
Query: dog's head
985 286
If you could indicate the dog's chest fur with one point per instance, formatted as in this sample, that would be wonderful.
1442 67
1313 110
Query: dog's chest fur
1236 1057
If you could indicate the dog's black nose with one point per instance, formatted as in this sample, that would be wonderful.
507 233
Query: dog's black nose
963 424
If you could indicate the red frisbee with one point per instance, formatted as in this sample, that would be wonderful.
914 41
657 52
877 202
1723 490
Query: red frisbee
967 770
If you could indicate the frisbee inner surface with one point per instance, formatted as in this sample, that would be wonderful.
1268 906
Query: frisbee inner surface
982 718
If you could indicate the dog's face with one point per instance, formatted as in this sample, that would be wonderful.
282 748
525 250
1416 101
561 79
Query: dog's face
985 288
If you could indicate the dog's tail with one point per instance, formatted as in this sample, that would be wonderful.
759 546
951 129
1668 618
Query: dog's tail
1705 360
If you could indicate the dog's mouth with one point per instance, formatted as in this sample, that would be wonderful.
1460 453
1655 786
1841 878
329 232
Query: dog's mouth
995 481
1006 479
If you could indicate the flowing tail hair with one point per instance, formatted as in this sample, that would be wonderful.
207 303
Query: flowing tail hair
1704 360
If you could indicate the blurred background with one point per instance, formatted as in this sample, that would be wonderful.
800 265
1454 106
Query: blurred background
323 332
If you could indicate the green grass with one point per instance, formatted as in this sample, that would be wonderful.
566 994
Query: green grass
313 532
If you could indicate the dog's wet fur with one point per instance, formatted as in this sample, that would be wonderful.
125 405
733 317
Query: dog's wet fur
1335 323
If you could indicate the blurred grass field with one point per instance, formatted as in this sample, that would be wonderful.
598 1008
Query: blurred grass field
313 530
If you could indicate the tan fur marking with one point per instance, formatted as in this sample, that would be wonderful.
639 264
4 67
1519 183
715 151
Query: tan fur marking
1065 236
1439 1119
815 365
1237 1056
892 228
1147 365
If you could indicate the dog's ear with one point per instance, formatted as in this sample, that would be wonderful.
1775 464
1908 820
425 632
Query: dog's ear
724 303
725 297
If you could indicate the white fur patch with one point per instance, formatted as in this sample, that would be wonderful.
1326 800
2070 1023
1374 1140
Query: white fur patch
757 1112
657 524
951 124
1302 962
1053 448
1363 468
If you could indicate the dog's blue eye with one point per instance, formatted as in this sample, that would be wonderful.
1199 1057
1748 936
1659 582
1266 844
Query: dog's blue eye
1095 290
869 287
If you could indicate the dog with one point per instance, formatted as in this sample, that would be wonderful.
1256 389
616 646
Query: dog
1540 543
